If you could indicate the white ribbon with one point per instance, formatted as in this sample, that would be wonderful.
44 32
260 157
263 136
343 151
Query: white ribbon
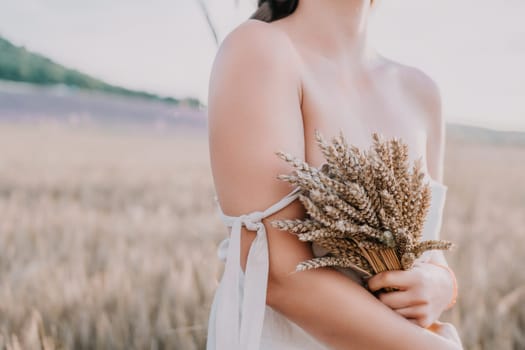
239 327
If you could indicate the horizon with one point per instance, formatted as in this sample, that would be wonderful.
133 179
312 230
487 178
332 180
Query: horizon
472 94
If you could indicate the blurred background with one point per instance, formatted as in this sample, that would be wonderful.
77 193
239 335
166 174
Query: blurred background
108 228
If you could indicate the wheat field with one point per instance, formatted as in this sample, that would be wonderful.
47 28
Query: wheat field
108 238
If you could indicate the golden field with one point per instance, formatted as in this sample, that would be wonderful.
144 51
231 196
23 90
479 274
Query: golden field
108 239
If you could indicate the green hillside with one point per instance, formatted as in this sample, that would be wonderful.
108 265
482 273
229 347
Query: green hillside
19 64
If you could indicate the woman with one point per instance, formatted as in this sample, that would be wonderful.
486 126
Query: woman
293 67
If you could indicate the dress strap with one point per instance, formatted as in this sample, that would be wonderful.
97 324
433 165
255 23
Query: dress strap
234 330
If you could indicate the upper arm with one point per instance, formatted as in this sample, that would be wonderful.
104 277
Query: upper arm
254 111
429 97
435 132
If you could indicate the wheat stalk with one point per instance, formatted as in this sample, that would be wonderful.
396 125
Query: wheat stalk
365 207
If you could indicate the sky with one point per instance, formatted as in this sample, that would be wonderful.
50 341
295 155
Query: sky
473 49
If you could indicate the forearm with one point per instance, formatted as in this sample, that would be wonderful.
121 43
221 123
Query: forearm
344 315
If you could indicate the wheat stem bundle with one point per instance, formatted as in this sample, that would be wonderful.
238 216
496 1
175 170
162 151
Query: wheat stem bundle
365 207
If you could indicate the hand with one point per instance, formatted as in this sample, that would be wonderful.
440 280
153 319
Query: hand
424 291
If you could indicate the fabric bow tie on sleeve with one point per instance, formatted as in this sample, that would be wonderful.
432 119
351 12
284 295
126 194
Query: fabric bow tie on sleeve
240 312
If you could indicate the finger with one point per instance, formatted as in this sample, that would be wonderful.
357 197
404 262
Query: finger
417 313
399 279
397 299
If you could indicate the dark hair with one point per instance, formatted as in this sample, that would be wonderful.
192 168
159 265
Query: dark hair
271 10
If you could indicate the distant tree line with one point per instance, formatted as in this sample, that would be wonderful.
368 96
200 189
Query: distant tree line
19 64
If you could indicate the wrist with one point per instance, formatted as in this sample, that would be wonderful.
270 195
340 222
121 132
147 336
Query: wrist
454 284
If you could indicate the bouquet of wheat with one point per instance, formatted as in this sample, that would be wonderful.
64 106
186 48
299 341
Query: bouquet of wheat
365 207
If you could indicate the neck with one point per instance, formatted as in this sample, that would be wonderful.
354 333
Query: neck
335 28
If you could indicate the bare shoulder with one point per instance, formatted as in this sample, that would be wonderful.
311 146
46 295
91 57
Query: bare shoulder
255 34
255 44
419 87
423 86
254 56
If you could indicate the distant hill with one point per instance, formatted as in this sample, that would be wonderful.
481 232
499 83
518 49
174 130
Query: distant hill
484 135
19 64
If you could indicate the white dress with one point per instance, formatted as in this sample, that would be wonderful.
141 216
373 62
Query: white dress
239 318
